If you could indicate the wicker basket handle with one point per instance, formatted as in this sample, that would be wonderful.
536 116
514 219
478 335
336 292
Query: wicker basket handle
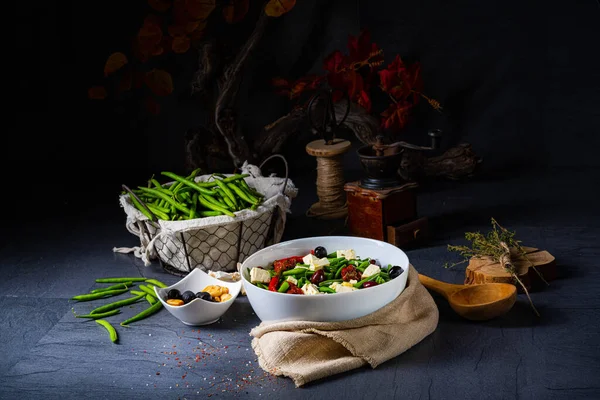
286 168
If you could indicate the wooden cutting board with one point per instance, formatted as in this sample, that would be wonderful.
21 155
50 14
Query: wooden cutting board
485 270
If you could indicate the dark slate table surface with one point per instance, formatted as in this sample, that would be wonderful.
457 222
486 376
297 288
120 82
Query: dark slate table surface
47 258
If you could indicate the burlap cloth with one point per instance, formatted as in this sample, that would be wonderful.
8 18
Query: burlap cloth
307 351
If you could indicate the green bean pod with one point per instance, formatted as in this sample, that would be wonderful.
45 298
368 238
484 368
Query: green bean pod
214 201
329 282
124 285
139 206
99 315
294 271
370 278
144 314
151 299
148 290
188 182
284 287
100 295
159 213
121 279
210 213
169 200
117 304
225 188
111 330
155 282
326 289
213 207
242 194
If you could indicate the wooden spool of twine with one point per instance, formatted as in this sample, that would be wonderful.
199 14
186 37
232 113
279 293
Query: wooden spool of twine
332 202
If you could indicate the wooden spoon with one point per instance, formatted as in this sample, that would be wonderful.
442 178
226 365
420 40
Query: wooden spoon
475 302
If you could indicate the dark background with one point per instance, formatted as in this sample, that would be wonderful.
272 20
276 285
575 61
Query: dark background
519 80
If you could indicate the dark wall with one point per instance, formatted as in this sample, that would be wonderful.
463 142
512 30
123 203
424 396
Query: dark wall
519 80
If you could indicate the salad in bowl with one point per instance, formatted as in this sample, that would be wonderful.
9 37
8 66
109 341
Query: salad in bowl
318 272
331 278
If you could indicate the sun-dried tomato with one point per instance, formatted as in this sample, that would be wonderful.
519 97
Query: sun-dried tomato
286 263
350 272
294 289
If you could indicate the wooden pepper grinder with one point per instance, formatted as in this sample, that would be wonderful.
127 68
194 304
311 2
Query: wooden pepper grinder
329 153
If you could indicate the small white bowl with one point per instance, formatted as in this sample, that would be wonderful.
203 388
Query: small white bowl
197 311
274 306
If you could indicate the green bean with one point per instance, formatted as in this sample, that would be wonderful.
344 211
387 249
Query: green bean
225 180
332 255
284 287
214 201
210 213
213 207
294 271
169 200
230 204
121 279
244 185
95 296
160 187
329 282
111 330
160 214
188 182
146 313
262 286
151 299
124 285
338 273
117 304
227 191
148 290
99 315
326 289
137 292
156 283
249 199
139 206
370 278
337 259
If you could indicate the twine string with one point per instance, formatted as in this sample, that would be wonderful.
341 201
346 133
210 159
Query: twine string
330 187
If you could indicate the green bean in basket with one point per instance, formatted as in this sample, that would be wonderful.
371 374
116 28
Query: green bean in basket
185 199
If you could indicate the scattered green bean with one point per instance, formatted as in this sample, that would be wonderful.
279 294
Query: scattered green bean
156 283
151 299
124 285
117 304
100 295
188 182
326 289
111 330
146 313
99 315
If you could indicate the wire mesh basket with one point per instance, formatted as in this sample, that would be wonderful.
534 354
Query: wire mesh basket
214 243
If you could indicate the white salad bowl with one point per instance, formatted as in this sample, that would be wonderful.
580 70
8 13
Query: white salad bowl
197 311
274 306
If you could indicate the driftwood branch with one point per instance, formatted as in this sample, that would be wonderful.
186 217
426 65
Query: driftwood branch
208 68
275 135
456 163
225 117
364 126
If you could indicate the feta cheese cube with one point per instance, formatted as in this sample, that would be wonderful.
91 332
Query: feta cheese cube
353 281
371 270
259 275
310 289
349 254
341 288
314 262
293 280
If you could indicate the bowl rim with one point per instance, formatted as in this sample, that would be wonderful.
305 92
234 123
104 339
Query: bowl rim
243 267
210 303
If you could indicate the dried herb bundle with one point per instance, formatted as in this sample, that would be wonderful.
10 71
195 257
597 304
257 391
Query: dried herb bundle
495 245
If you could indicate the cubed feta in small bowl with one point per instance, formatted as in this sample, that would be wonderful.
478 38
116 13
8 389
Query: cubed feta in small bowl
347 302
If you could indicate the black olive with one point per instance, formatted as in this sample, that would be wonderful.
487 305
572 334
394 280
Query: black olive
395 271
204 296
188 296
320 252
174 294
